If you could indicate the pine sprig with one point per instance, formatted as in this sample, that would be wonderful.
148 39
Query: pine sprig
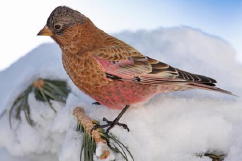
91 139
215 156
88 148
44 90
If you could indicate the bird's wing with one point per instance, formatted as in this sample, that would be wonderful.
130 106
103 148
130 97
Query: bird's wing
130 65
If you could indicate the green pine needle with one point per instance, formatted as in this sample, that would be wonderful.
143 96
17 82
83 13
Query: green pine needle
215 156
21 104
88 148
44 90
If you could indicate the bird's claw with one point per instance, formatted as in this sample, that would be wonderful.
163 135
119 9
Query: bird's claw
113 123
110 124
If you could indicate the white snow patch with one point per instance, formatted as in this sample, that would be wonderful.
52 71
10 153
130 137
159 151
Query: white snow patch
170 127
101 147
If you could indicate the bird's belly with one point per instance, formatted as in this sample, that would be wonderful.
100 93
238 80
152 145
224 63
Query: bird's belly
117 94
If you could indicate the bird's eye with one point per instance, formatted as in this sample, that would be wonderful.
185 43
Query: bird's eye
58 26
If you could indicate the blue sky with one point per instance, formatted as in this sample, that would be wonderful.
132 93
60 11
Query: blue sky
23 20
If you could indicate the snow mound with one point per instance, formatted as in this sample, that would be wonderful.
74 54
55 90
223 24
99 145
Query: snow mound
172 126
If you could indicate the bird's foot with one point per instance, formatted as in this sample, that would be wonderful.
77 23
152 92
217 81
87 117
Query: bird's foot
110 124
96 103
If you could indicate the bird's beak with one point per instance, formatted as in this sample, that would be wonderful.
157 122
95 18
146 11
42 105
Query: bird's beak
45 32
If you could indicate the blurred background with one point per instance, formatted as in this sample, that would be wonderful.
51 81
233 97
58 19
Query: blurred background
21 20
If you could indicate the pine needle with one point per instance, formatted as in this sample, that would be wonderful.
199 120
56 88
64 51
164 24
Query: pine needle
44 90
92 137
215 156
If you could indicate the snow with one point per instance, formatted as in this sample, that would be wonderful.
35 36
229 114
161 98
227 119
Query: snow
170 127
99 151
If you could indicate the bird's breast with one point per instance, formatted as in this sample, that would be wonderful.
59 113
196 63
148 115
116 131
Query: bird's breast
84 72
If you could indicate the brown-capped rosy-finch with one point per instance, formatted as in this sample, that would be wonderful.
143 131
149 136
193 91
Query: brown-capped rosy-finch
111 71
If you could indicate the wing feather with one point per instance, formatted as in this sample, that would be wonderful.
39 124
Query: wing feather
128 64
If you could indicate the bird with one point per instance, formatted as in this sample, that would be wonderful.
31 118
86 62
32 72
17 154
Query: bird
111 71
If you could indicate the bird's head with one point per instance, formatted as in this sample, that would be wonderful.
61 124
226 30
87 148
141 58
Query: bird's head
63 23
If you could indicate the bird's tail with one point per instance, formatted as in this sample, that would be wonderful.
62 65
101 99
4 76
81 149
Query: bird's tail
209 87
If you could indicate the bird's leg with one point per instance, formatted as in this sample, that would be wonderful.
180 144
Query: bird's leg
111 124
96 103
